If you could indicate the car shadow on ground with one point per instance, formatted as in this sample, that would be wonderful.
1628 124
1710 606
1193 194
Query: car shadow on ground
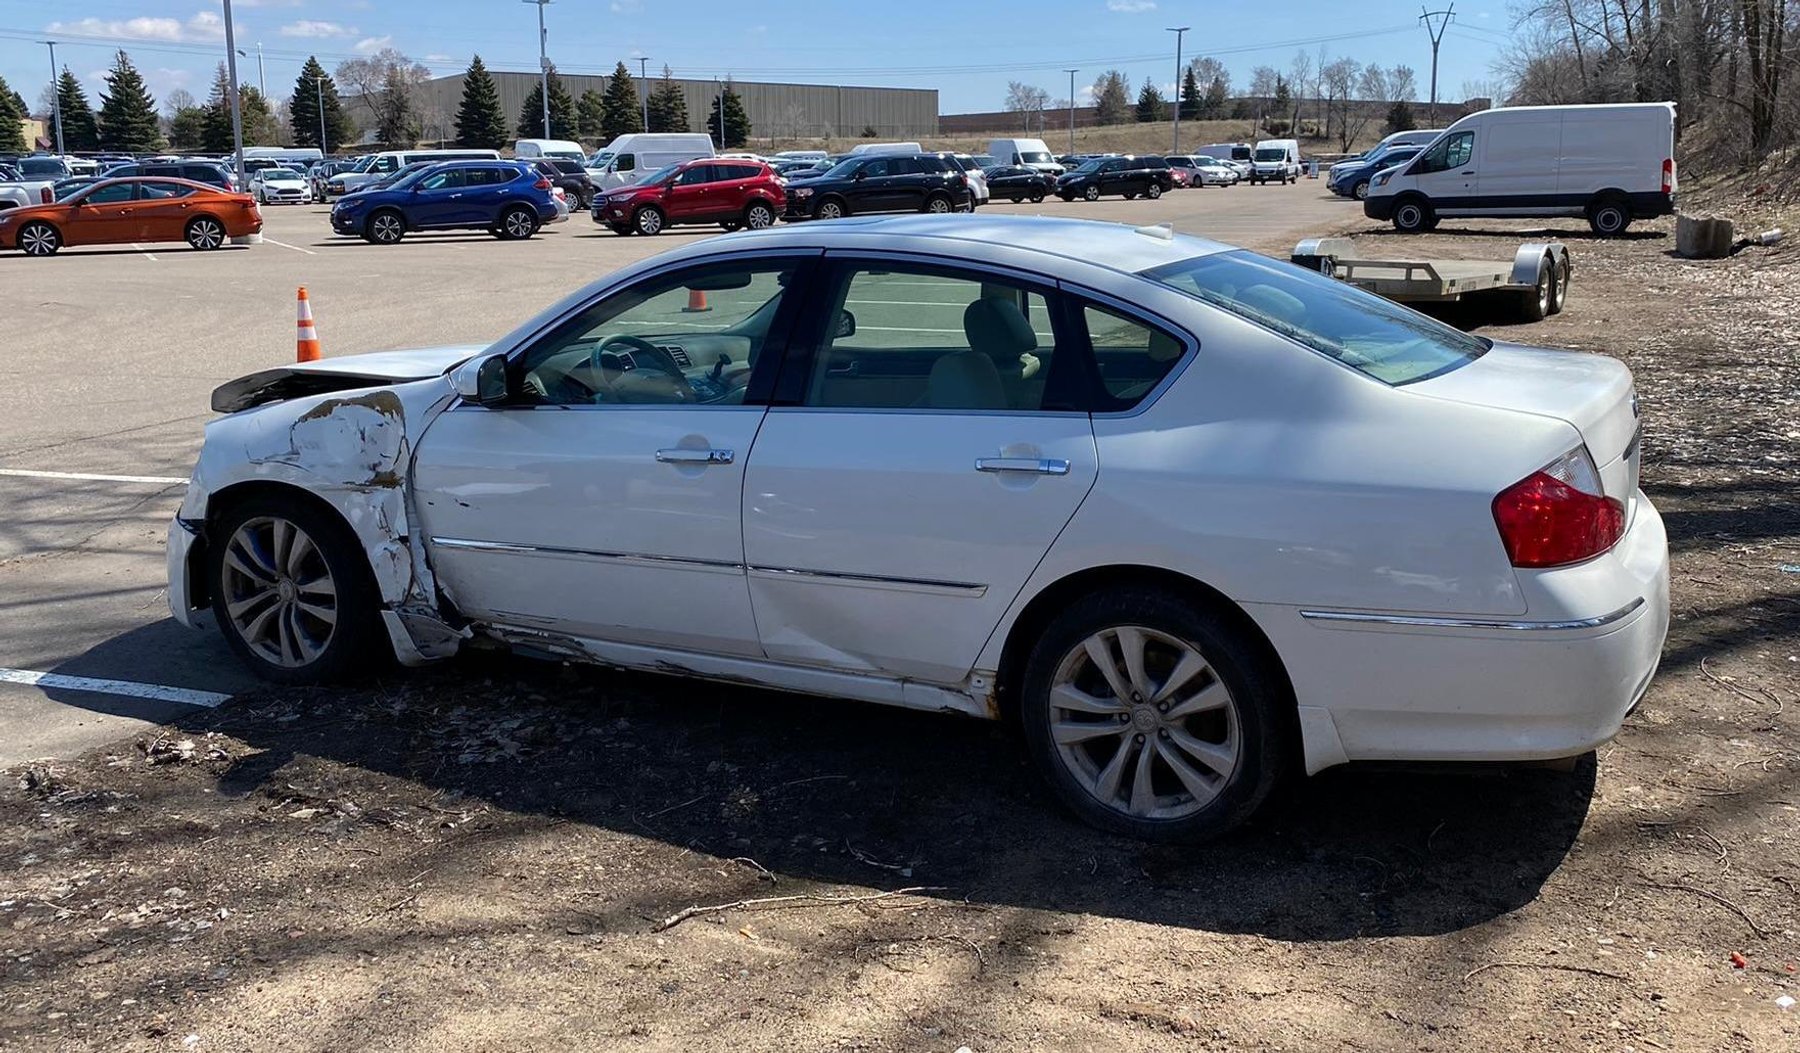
842 792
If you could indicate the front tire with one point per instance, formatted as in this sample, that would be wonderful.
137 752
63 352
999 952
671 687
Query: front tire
830 208
1092 193
385 227
1360 191
292 591
1153 718
204 233
39 239
1413 216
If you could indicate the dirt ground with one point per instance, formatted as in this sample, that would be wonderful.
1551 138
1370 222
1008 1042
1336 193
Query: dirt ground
497 854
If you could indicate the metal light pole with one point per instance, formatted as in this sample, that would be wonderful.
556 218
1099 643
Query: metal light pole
644 87
262 84
324 148
1071 74
231 92
543 61
1178 31
1436 32
55 95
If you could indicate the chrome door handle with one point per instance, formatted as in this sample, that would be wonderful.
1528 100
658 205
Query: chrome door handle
683 455
1038 465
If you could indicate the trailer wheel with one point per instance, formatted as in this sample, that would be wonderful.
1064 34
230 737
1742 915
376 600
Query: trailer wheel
1560 293
1535 302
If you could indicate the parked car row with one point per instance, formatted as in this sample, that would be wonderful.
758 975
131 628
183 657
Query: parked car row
131 210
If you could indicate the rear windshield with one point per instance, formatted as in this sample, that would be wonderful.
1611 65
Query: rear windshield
1377 337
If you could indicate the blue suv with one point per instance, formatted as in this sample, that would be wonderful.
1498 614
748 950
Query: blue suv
509 199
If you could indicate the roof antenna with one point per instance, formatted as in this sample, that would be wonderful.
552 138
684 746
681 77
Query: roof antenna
1160 231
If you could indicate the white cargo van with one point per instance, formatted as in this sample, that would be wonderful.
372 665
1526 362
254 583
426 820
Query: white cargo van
631 157
1237 155
886 148
1610 163
388 162
1275 161
1031 153
561 149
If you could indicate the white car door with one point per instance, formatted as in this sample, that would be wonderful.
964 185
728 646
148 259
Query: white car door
916 465
603 499
1447 175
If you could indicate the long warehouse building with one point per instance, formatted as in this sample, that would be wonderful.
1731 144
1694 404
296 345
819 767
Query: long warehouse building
781 111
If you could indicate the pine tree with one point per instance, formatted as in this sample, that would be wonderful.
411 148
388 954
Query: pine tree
1190 96
590 116
1112 98
80 132
1400 117
127 112
12 132
312 87
1150 104
480 122
620 115
1218 93
737 121
187 128
258 118
563 123
215 126
668 106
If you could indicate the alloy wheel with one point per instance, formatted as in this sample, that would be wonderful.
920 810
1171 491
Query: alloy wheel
759 217
279 593
38 240
831 210
649 221
387 228
519 224
1143 723
205 234
938 205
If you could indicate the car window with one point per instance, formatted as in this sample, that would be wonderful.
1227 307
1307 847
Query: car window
1452 151
1372 335
157 191
107 195
878 167
624 163
696 175
447 179
928 339
655 344
385 164
1132 357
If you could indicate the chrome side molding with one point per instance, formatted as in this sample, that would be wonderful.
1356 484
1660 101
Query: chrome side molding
1440 622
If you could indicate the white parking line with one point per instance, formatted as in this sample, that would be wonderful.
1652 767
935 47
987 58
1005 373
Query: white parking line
285 245
146 252
27 473
129 688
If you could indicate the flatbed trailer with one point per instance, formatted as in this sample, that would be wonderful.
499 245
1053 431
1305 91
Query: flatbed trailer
1536 278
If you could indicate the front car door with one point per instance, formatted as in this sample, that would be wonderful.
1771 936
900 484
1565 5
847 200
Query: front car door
603 501
689 194
923 452
103 217
438 200
1115 177
1446 174
871 188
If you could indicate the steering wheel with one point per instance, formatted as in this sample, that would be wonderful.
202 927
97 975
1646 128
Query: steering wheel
644 353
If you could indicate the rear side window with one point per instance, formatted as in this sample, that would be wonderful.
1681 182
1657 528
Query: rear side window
1373 336
1132 357
159 190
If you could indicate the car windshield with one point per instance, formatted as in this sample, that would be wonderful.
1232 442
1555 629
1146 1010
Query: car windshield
1092 165
843 168
404 178
601 159
1376 337
1274 153
43 166
661 175
1035 157
280 173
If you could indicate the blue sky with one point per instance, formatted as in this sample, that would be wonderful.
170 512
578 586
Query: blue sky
967 49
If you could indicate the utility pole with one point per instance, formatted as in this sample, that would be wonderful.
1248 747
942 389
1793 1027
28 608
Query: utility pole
231 94
543 61
721 96
644 87
1071 73
1178 31
55 96
1436 31
324 148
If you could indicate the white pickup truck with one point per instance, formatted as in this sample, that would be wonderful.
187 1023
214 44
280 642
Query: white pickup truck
19 193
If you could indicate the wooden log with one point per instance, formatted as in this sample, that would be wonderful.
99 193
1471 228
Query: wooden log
1702 239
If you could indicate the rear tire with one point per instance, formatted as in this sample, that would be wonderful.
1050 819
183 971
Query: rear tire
1037 197
759 216
1561 292
39 239
292 591
1161 761
1609 216
204 233
1153 191
940 204
518 223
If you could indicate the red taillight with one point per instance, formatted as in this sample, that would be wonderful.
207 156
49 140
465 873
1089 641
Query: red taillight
1668 175
46 195
543 183
1557 515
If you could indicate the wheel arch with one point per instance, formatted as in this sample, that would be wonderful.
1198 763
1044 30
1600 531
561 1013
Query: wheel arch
230 497
1058 595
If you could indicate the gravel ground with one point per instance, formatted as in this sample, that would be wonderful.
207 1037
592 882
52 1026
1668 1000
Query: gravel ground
497 854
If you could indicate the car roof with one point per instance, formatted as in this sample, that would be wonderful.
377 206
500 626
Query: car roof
1114 246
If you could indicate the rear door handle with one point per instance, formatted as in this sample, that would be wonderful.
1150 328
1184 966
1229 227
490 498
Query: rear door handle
1036 465
684 455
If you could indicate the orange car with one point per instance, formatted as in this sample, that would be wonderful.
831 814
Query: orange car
123 211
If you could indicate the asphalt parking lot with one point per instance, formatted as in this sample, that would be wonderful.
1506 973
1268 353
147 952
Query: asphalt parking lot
106 397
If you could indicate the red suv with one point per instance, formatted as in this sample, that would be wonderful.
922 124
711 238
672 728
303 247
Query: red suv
730 193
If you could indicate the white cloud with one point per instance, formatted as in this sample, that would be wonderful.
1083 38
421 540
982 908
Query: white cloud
309 27
370 45
204 26
1131 7
627 7
436 58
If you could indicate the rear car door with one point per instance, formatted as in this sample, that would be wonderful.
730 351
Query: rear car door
162 210
922 453
730 188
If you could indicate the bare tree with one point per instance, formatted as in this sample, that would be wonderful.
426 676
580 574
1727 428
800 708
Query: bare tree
1263 81
1028 101
1300 76
1403 84
388 83
177 100
1340 80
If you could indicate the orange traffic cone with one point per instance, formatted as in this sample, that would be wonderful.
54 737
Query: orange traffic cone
696 302
306 348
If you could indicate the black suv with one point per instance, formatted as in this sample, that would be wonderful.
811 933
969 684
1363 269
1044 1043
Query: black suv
882 183
199 171
571 177
1128 175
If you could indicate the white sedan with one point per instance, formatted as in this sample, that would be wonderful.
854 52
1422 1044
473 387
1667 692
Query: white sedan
281 186
1197 519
